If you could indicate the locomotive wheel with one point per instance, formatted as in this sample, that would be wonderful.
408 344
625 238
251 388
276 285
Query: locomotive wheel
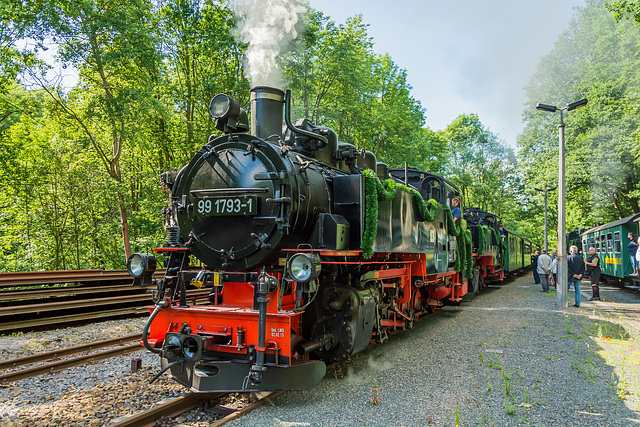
416 300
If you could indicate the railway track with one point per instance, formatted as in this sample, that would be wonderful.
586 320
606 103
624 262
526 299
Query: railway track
174 407
46 298
34 278
170 408
123 346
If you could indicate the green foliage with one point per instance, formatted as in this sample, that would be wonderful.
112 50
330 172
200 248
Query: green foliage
79 165
341 83
595 59
622 9
482 166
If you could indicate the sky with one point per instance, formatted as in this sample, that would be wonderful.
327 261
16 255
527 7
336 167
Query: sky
463 56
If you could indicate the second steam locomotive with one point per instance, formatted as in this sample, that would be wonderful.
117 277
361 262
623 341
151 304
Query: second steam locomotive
310 249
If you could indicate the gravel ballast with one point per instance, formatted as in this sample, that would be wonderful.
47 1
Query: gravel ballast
508 357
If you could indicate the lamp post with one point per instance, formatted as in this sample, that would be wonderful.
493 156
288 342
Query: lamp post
561 297
546 191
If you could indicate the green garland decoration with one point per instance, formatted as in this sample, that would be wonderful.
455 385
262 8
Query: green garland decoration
376 191
483 233
483 237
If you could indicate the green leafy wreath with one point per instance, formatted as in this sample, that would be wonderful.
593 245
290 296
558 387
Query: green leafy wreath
483 234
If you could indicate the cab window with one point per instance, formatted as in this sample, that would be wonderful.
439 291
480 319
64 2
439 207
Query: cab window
431 189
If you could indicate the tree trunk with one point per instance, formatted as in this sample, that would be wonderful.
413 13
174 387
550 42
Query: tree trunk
616 205
124 223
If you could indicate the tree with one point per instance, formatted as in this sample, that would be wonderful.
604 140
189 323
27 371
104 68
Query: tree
595 59
480 164
203 60
628 9
365 97
109 42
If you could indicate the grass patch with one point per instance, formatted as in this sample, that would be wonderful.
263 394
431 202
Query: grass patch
604 329
509 408
495 364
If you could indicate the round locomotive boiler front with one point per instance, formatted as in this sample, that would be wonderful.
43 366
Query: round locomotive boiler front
241 199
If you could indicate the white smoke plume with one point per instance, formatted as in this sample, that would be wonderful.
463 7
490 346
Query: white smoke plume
268 26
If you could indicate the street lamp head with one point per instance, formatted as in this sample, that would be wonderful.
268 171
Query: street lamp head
546 189
545 107
577 104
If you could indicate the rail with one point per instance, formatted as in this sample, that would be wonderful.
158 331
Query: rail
174 407
58 365
33 278
36 299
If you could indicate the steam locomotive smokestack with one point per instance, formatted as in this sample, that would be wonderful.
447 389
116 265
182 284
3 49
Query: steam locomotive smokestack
266 111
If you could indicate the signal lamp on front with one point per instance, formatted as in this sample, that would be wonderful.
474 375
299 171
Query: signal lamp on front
141 267
304 267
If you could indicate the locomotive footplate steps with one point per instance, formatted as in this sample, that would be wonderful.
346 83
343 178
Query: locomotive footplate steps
232 376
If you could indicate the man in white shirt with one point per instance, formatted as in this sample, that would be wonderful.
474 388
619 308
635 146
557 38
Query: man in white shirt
544 269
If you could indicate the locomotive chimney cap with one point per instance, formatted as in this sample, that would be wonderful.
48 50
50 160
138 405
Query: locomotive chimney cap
267 93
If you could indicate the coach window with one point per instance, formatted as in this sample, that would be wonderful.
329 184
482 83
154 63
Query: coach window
617 242
603 243
609 243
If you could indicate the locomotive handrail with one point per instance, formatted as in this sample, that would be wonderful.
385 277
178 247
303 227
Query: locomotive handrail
229 191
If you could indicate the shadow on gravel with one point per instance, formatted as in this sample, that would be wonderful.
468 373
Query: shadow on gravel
508 358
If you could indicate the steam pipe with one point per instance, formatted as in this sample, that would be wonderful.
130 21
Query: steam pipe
308 347
287 120
165 369
145 331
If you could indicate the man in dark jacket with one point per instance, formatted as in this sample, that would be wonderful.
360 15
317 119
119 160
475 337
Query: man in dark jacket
575 268
594 270
534 264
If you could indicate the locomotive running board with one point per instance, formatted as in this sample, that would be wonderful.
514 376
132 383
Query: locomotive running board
230 376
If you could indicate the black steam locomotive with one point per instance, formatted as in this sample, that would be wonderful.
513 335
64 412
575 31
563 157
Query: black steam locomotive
311 250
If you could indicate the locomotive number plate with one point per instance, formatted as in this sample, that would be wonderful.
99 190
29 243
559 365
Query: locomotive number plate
234 205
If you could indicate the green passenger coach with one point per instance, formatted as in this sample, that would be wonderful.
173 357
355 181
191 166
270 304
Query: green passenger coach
610 242
517 253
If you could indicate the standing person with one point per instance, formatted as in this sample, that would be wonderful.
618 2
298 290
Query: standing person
633 249
455 210
593 268
534 264
575 267
554 267
544 269
638 255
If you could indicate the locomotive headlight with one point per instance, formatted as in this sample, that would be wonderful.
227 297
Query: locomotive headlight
139 265
304 267
223 106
